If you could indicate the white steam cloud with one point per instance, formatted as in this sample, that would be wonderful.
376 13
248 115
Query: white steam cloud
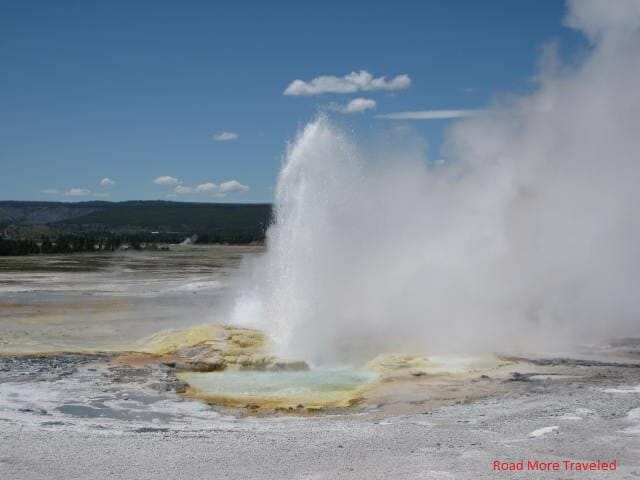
526 238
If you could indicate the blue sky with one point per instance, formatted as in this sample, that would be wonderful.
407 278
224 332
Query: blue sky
134 91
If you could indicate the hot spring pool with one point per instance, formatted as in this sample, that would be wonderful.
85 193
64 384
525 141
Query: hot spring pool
312 388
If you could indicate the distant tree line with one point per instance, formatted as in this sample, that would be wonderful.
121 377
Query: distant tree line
231 238
109 242
69 243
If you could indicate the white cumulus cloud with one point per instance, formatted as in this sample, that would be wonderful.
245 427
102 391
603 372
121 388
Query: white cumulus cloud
357 105
77 192
361 81
429 114
233 186
210 188
166 180
107 182
225 136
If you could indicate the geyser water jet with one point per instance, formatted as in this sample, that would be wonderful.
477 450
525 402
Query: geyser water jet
526 238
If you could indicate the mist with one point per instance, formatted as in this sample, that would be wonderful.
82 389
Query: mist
526 238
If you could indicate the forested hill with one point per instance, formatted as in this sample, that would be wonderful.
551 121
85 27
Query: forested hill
209 222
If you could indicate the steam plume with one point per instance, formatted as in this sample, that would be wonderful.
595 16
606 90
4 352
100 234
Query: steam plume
526 238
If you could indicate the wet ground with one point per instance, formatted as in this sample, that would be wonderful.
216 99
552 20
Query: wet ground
108 301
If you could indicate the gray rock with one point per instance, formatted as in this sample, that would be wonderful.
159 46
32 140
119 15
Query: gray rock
288 366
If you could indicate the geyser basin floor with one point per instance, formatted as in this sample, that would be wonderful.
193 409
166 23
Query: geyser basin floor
77 417
313 388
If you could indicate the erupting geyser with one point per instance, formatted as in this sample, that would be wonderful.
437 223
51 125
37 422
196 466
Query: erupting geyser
526 237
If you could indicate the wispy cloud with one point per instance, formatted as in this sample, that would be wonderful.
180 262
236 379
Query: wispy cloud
183 189
107 182
166 180
361 81
77 192
429 114
357 105
50 191
225 136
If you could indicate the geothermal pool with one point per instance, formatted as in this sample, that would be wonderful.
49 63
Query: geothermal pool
312 388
